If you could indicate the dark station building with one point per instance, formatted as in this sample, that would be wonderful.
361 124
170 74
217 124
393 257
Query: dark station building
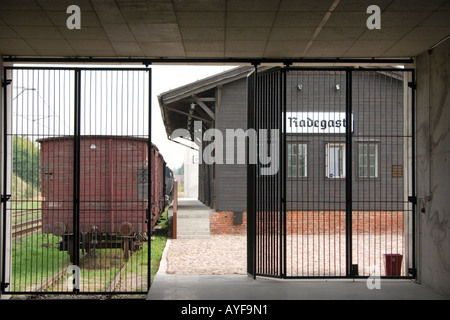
315 149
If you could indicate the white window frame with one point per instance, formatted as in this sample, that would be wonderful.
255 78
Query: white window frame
366 163
297 162
341 160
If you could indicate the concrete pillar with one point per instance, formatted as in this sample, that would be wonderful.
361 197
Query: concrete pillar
433 168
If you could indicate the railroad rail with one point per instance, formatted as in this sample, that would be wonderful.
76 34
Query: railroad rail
114 284
117 280
55 278
26 227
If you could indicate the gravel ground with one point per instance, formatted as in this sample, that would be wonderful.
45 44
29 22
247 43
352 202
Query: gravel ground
319 255
214 255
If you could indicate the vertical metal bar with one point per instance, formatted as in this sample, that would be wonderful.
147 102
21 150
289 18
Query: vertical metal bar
265 200
277 176
258 212
282 165
76 171
265 197
4 191
257 187
413 171
272 89
149 173
266 255
251 183
348 170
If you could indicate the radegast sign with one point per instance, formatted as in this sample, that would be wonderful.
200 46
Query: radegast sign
317 122
263 144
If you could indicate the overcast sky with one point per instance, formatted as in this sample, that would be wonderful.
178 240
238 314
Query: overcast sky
165 78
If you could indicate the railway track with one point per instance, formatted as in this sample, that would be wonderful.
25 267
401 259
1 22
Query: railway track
21 227
53 280
26 227
117 279
109 289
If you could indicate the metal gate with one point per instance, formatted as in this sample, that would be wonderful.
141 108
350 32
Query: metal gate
266 242
342 202
75 175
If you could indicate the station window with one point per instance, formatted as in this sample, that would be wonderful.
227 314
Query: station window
368 160
297 160
335 160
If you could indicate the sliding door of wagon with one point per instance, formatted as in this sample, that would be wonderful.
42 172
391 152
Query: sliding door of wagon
38 176
315 159
382 172
114 171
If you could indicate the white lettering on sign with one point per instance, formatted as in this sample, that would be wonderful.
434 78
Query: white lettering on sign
74 21
374 21
316 122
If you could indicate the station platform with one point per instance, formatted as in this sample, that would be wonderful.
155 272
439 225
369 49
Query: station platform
242 287
192 219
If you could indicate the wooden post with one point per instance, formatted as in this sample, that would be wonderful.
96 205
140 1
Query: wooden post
175 208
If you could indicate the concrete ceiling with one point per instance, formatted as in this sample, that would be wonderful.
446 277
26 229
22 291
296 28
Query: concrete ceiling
221 29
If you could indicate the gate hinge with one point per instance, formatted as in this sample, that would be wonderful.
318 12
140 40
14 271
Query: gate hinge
6 197
412 85
6 82
412 271
412 199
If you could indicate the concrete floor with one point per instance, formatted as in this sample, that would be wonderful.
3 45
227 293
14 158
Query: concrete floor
192 219
241 287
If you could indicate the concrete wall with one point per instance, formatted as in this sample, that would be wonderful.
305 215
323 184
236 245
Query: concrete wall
433 168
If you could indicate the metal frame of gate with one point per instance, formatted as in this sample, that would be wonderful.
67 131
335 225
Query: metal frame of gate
70 107
345 220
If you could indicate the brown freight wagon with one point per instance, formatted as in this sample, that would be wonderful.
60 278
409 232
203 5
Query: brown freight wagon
113 191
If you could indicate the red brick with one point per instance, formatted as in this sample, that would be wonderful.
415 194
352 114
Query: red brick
318 222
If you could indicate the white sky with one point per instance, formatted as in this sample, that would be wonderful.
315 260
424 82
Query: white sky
165 78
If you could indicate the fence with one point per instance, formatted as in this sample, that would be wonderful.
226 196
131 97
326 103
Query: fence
78 142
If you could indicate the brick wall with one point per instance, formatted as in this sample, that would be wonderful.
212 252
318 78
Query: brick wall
325 222
317 222
222 222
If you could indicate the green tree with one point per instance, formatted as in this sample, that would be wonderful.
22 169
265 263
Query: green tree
26 161
179 170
